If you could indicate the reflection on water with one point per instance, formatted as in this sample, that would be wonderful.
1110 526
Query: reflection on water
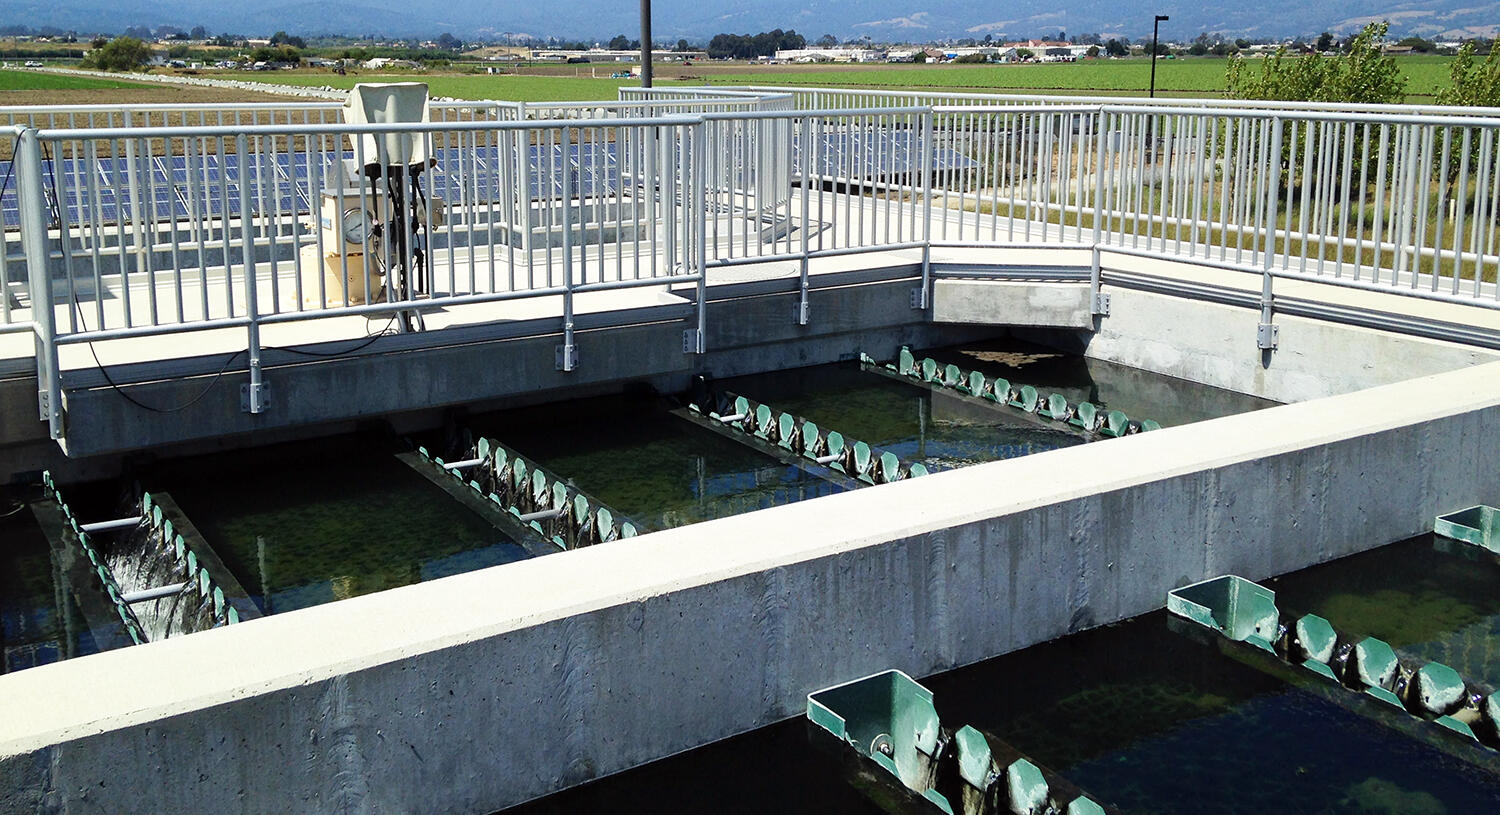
306 523
940 430
1140 394
1431 598
658 469
40 621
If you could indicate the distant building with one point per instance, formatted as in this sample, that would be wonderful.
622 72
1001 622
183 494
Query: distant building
386 63
829 55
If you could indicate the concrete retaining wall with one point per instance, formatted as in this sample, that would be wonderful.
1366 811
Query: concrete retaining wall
481 690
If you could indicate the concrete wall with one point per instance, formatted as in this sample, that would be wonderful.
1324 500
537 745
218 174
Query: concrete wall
1214 342
485 689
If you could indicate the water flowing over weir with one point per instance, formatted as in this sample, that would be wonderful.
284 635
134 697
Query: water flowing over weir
142 561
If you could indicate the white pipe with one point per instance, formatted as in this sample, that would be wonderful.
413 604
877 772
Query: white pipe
460 465
105 526
829 459
152 594
545 514
738 417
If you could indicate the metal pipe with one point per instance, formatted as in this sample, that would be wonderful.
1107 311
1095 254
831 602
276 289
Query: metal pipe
463 465
1155 27
546 514
145 595
645 43
106 526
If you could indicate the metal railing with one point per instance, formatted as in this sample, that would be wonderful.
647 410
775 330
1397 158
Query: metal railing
840 98
138 230
132 232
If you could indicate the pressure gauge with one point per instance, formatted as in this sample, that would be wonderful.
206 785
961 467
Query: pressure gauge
357 225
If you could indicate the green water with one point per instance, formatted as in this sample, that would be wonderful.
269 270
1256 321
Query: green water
1140 394
1431 598
311 522
655 468
940 430
39 620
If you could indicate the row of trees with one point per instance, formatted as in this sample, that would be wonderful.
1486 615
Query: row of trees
750 46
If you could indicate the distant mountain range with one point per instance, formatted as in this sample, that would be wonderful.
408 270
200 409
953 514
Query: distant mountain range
880 20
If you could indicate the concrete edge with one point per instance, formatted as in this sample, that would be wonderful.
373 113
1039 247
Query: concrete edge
66 700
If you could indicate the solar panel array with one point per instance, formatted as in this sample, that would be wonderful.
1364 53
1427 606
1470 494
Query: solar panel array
185 187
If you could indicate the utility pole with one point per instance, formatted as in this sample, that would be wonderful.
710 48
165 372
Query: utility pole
645 43
1155 28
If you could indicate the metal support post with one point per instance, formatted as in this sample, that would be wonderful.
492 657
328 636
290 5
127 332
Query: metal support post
34 221
567 353
804 184
1266 331
921 298
253 396
1099 302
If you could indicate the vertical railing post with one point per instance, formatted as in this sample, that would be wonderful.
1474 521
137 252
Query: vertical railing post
252 396
1265 332
567 353
922 297
698 181
1099 302
804 184
34 222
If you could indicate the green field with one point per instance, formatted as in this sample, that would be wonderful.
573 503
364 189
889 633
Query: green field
38 81
1128 77
1195 77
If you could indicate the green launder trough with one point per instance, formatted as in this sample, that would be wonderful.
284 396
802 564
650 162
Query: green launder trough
1085 417
193 560
1246 612
802 437
1475 525
889 719
550 506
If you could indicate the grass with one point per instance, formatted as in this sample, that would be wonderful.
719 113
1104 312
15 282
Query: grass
38 81
1197 77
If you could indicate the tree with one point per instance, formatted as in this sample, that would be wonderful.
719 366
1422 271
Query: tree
448 42
827 41
1024 54
1325 42
619 42
198 33
1418 44
746 46
1093 52
120 54
98 42
179 51
1472 83
283 38
682 45
138 32
1363 74
1115 48
972 59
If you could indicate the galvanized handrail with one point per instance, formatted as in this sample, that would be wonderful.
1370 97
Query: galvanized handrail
1393 202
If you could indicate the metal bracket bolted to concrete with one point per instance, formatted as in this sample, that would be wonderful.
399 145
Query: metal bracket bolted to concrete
800 312
255 397
1266 335
919 298
567 357
692 341
1100 305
